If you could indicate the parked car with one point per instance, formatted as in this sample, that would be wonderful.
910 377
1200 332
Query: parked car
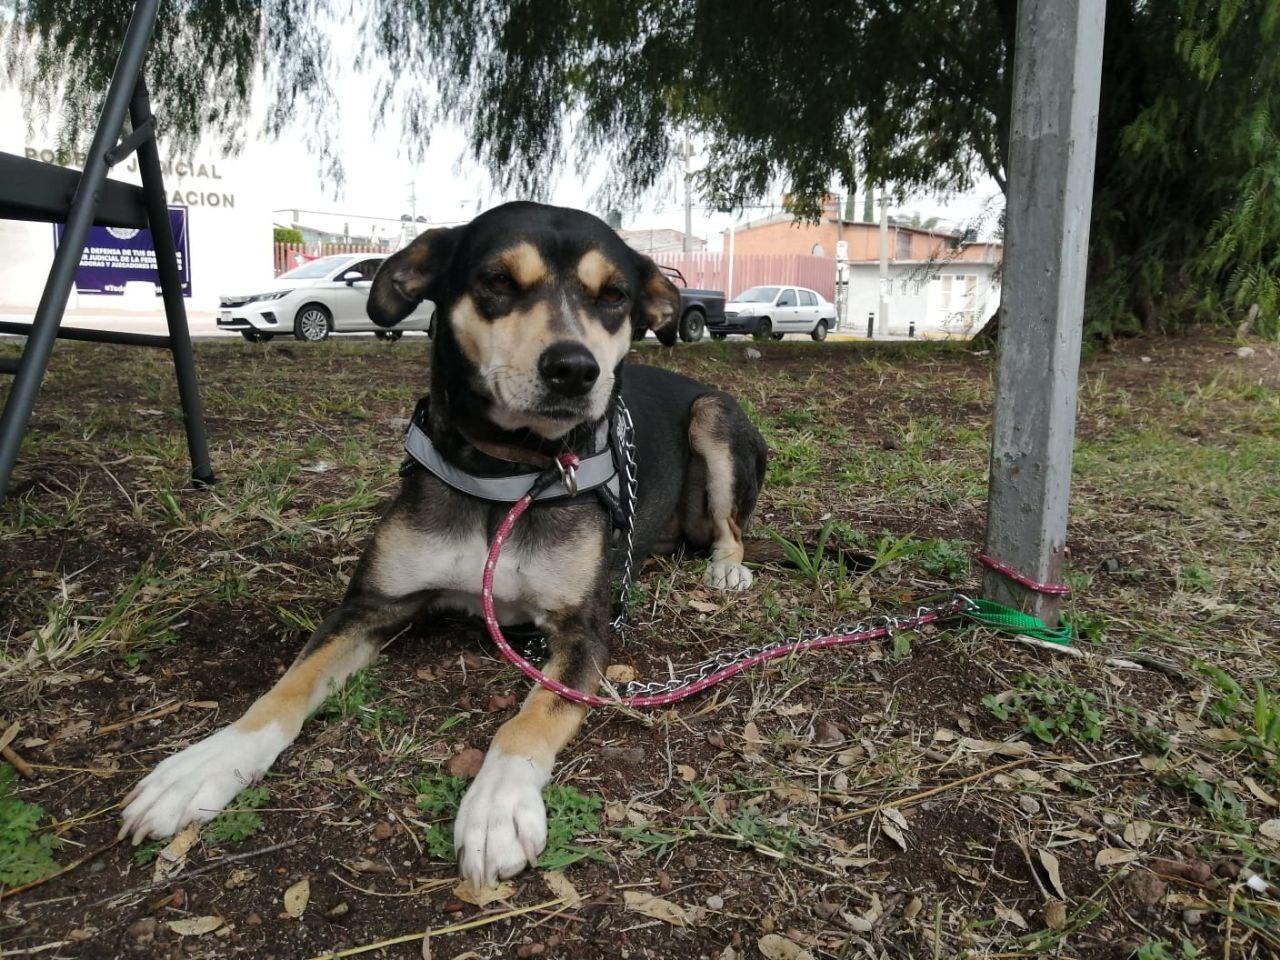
312 301
698 308
774 311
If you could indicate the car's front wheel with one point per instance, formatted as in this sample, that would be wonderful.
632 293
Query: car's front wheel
256 336
391 336
820 331
312 323
691 326
764 329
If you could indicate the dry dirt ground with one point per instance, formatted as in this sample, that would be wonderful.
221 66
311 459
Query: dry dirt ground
951 793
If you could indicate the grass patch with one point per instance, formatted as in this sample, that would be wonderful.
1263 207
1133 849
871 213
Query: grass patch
1049 708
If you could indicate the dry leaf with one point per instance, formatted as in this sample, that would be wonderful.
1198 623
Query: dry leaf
1114 856
194 926
1050 863
1011 915
1271 830
687 773
656 907
239 878
296 897
620 673
793 710
1055 915
775 947
1137 833
465 892
559 884
796 795
703 607
10 734
894 814
173 857
890 829
1260 793
751 739
615 811
1221 734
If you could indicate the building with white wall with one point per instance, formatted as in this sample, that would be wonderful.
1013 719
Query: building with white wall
925 299
227 217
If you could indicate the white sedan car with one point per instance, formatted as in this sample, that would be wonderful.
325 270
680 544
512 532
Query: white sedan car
775 311
326 295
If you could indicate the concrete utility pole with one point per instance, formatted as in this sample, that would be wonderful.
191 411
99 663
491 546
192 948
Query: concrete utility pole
1057 69
687 245
882 319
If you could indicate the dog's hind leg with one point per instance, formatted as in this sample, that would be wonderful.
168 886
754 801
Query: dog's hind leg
194 785
729 463
502 823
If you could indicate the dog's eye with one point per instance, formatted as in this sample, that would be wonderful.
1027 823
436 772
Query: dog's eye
501 283
612 296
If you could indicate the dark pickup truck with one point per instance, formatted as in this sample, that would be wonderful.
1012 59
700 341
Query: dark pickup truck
696 306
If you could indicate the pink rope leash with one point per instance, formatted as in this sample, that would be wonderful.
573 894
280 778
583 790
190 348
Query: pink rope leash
662 699
1055 589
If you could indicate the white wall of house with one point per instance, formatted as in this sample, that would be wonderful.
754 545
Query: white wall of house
929 299
228 224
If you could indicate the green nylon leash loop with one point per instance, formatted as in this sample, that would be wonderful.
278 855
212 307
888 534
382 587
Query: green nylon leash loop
999 617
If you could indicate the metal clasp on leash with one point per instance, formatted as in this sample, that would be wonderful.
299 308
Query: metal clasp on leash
568 464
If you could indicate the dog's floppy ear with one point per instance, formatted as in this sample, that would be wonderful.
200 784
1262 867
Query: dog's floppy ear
405 278
657 306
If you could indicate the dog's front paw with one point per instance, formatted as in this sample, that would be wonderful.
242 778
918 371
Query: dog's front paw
502 824
727 575
193 786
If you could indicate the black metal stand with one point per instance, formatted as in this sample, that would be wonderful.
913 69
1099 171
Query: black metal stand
30 190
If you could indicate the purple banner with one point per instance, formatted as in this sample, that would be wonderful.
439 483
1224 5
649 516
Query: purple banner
114 256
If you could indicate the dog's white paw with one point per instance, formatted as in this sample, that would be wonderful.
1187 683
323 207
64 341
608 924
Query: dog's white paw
502 824
727 575
193 786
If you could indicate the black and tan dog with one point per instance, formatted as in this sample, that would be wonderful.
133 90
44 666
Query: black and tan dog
536 310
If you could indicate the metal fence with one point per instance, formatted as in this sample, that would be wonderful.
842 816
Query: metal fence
290 255
710 271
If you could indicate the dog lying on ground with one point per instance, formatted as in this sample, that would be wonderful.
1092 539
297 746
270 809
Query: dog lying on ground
537 307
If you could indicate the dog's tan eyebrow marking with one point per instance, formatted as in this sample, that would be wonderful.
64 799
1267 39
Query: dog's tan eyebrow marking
595 270
525 263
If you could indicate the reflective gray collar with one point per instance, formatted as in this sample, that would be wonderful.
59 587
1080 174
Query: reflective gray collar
597 470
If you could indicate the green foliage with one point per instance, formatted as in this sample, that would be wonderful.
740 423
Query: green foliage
570 814
1049 708
1230 694
359 697
239 821
1220 802
754 829
286 235
25 854
816 566
1163 950
439 795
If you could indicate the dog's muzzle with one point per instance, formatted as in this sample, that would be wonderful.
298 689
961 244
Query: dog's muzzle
568 369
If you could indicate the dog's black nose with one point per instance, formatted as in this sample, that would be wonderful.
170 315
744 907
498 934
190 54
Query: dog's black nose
568 368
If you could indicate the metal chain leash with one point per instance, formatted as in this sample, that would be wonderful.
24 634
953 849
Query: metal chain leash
723 661
625 431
